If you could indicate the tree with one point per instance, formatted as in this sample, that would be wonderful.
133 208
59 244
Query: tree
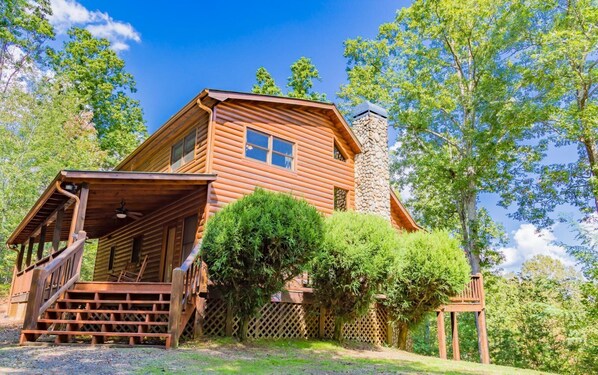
265 83
299 84
41 132
352 264
427 270
98 75
24 29
255 245
447 71
563 78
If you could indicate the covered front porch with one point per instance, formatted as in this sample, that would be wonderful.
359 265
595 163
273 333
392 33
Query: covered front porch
145 223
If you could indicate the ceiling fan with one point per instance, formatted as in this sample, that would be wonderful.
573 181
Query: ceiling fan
122 212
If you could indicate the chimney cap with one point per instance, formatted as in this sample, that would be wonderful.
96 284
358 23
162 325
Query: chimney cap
369 107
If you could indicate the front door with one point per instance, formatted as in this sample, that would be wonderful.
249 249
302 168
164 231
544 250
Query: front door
168 259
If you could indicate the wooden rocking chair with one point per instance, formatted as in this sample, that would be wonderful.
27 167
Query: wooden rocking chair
131 274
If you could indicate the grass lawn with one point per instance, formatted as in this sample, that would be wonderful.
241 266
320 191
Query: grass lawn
227 356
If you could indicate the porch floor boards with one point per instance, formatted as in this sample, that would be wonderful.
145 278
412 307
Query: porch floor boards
107 311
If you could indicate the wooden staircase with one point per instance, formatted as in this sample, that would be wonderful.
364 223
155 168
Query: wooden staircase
107 312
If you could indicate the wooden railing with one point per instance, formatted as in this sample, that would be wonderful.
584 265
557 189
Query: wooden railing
473 292
186 283
22 279
50 281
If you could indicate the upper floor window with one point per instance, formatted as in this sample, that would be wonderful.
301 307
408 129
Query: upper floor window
269 149
182 152
338 155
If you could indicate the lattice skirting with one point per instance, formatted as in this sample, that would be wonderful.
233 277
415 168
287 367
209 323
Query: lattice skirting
291 320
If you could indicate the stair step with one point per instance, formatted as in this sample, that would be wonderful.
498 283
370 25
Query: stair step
85 333
147 302
102 322
102 311
88 291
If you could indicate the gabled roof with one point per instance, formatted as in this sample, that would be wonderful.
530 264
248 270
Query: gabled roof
406 218
211 97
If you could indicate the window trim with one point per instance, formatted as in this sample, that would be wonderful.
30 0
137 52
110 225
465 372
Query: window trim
270 150
181 142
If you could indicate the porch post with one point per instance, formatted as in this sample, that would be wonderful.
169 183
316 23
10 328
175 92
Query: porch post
42 242
29 251
57 229
19 264
80 219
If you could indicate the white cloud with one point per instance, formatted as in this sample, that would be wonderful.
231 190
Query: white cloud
68 13
529 242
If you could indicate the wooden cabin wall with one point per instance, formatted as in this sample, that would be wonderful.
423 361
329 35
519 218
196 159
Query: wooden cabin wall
152 229
316 172
155 157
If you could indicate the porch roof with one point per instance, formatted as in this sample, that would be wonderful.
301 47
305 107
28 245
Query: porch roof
142 191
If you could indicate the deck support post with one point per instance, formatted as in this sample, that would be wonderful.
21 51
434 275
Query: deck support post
200 315
229 320
35 298
19 263
176 306
455 336
29 252
441 334
483 337
322 323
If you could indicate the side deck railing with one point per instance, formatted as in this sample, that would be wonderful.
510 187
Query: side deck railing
184 297
50 280
473 294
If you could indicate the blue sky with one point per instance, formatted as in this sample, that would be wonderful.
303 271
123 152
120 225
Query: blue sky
176 50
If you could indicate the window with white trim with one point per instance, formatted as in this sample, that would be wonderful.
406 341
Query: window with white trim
269 149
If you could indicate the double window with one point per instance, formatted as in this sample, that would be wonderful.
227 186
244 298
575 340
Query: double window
269 149
182 152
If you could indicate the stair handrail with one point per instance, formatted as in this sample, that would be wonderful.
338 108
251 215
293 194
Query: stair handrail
186 283
49 282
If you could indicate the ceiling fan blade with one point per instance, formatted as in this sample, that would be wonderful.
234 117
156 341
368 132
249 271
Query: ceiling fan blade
133 213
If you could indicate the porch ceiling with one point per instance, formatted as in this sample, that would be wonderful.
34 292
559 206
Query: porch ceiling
142 191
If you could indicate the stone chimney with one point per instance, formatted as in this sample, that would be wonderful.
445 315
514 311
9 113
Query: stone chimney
372 174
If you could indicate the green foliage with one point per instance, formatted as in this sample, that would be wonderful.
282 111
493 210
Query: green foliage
446 69
253 246
24 29
265 83
563 78
299 84
428 269
41 132
98 75
352 264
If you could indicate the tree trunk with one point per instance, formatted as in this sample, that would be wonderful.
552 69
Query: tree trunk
592 152
339 324
243 326
468 215
402 336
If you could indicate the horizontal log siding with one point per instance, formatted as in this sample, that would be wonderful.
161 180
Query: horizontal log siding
156 156
152 229
316 171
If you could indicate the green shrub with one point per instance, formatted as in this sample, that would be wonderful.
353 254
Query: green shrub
352 265
255 245
428 269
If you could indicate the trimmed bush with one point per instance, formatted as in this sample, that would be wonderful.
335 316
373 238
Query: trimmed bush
352 265
427 270
255 245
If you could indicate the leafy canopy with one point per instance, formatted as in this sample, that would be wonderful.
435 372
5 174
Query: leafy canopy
253 246
352 264
446 69
98 75
299 84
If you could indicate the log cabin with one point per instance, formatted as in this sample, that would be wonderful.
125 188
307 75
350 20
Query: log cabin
149 213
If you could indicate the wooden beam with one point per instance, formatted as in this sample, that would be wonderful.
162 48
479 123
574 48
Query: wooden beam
80 219
322 321
483 337
176 298
19 263
455 336
42 242
441 334
57 229
29 251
